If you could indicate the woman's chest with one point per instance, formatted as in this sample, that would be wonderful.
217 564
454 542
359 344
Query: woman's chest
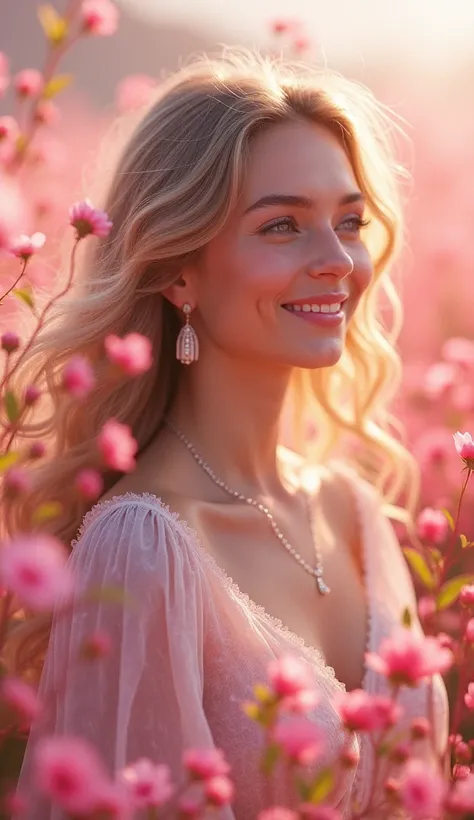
248 551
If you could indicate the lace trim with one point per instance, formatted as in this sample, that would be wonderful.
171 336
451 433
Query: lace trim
229 584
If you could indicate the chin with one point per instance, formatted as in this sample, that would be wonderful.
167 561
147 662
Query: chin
327 355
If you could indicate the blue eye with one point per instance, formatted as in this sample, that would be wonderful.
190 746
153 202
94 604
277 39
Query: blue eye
281 227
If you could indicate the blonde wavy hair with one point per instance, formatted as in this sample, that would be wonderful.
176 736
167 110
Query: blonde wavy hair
178 178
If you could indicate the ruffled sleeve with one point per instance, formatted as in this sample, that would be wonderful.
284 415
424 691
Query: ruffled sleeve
144 699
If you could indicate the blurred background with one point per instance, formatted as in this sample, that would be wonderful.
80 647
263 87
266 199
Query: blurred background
417 56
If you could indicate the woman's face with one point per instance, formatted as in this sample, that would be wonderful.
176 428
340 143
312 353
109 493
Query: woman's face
267 285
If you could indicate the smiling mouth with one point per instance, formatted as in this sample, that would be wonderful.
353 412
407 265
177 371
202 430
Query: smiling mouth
313 308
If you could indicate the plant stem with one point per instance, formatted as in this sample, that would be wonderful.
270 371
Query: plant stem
448 561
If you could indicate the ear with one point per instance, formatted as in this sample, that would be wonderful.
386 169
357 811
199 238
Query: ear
182 291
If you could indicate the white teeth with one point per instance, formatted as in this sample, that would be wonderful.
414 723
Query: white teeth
307 308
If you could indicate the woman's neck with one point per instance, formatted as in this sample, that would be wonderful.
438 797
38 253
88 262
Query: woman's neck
232 415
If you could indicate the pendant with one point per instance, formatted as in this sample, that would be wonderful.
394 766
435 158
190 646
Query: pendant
322 586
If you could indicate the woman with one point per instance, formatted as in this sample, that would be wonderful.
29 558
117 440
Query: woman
255 217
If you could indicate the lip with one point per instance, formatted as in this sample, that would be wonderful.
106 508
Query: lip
322 299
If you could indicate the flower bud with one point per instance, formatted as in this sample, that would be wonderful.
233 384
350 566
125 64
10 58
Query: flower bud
32 394
420 728
469 633
400 753
461 772
463 753
349 758
37 450
17 481
466 596
10 341
89 483
97 645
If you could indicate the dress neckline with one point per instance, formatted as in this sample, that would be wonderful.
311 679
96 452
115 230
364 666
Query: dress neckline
233 588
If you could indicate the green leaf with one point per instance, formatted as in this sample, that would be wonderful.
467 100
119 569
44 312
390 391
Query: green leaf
270 759
464 542
436 555
7 460
26 296
54 26
56 85
47 511
419 567
449 517
321 786
407 619
451 589
11 406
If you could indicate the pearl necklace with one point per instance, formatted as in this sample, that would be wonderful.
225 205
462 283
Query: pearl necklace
316 571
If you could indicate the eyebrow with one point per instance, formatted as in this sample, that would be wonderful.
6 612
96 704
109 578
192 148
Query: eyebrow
299 201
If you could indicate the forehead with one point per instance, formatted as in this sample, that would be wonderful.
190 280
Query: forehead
297 157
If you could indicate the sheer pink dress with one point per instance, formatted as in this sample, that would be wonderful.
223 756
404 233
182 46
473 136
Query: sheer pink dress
189 655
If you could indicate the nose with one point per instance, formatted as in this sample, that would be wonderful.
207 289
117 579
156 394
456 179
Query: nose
330 257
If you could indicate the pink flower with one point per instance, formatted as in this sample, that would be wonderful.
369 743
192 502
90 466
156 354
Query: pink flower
203 764
148 784
9 128
438 379
426 607
406 659
32 394
421 791
465 447
12 212
219 790
4 74
69 771
132 354
117 446
99 17
25 246
461 799
78 377
10 341
33 567
469 696
420 728
432 525
22 698
112 802
29 82
361 712
289 676
134 91
459 351
469 633
17 481
97 645
277 813
301 740
37 450
89 483
311 812
88 220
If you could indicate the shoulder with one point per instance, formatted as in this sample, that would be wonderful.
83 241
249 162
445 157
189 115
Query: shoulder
134 532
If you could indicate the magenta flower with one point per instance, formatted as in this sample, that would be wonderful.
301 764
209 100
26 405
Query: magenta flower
25 246
132 354
219 790
22 698
117 446
406 659
9 129
205 763
148 784
432 525
37 450
29 82
10 341
78 377
465 447
466 596
361 712
32 394
89 483
469 696
99 17
88 220
289 676
34 568
301 740
69 771
421 790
